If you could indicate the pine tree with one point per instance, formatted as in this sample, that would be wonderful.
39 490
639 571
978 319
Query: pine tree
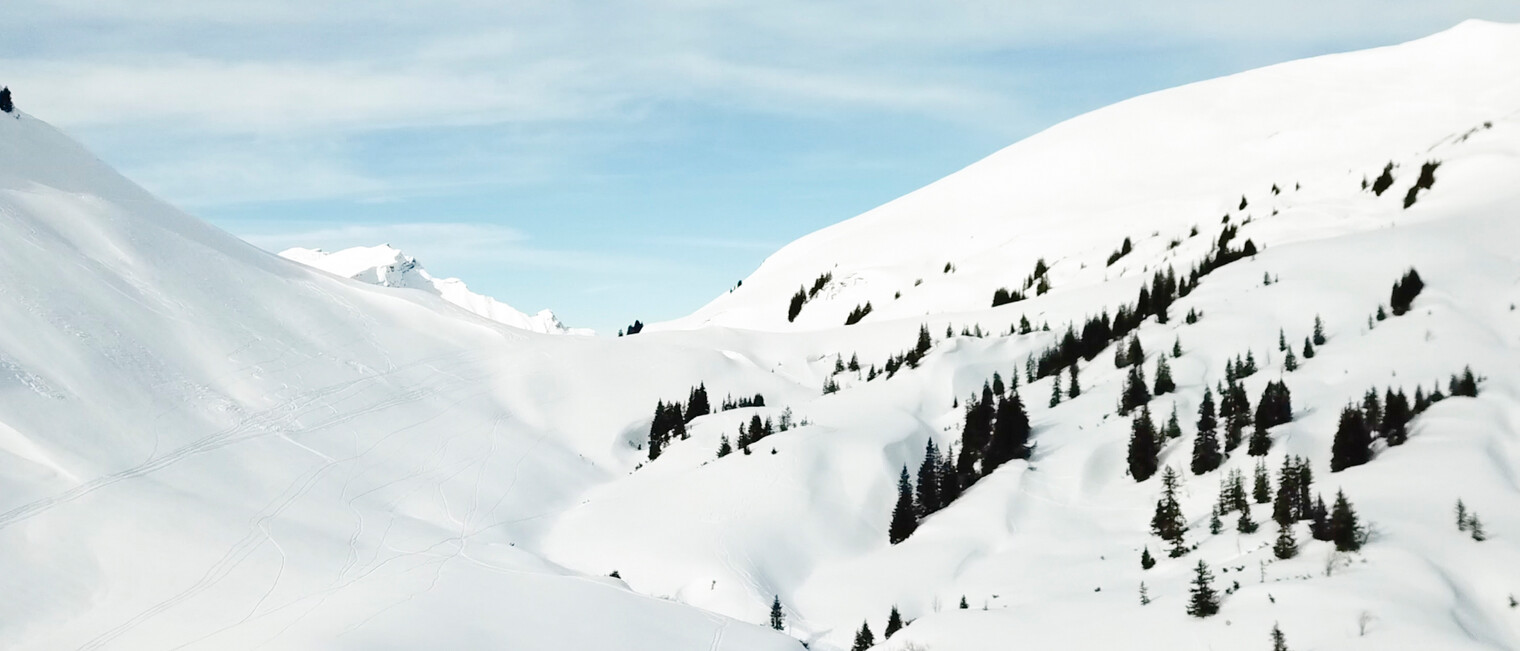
997 384
1074 386
1461 516
1285 507
903 517
1215 524
1236 410
1290 362
1142 446
924 343
1245 524
1164 383
1135 391
964 605
1168 523
1353 441
1173 429
1010 434
778 618
854 362
1177 348
795 307
1206 456
1319 524
1286 546
1146 560
1055 390
1319 333
928 482
1308 349
1279 642
1136 353
1405 291
1396 417
1475 527
659 430
1261 488
1204 601
894 623
949 482
724 449
5 100
864 640
1345 530
697 404
1282 340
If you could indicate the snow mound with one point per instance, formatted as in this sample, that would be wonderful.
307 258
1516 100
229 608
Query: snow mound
387 266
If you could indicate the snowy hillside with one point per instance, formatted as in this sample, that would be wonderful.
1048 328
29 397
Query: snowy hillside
204 446
389 267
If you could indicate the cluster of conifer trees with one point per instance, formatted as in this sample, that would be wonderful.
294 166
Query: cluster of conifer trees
1387 419
995 431
803 296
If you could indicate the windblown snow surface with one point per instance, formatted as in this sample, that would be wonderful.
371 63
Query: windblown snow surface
388 266
204 446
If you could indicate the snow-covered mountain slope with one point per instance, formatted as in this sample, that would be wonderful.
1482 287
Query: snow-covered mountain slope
387 266
205 446
1149 169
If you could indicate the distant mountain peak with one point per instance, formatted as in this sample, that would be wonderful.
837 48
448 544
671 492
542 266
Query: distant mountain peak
387 266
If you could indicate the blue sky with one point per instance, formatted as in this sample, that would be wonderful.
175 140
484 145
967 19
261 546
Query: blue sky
611 161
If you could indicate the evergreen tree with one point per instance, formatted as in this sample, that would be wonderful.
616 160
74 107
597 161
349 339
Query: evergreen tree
854 362
894 623
1345 530
1055 390
1177 348
1206 456
1136 353
697 404
1282 340
928 482
659 430
1173 429
795 307
1204 601
1461 516
1308 349
1396 417
1074 386
1303 504
1245 524
1319 333
1475 527
949 482
924 343
1405 291
5 100
778 618
1146 560
1215 524
864 640
1290 362
1164 383
964 605
1135 391
1168 523
1319 523
1286 546
1237 410
997 384
1261 488
1353 441
1279 643
903 517
1010 434
1142 446
724 449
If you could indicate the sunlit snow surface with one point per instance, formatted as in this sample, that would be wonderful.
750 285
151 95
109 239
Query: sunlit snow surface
204 446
